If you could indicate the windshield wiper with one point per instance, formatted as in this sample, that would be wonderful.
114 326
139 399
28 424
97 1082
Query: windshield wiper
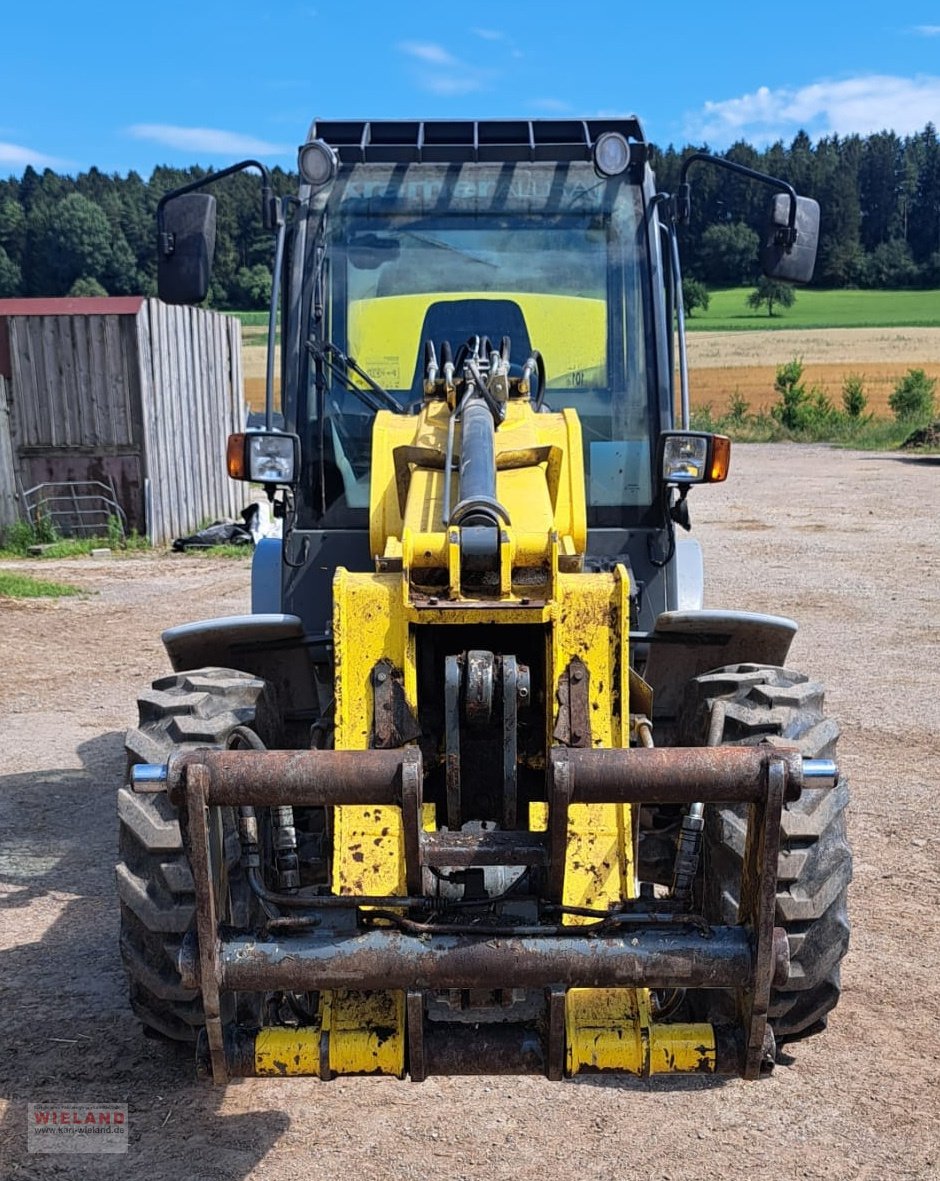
342 366
431 241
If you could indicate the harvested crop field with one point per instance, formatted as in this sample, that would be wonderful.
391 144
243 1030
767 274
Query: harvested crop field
820 534
725 364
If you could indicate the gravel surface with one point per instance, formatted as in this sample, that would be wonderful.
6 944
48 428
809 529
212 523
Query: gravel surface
846 543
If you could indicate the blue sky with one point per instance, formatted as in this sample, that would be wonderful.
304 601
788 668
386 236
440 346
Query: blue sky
129 86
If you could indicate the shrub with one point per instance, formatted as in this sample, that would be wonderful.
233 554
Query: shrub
853 395
18 537
739 409
791 409
703 418
694 295
820 413
913 398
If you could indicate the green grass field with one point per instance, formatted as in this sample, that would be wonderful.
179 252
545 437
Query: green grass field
23 586
728 310
251 319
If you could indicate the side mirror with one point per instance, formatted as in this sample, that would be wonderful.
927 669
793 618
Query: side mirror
185 247
792 262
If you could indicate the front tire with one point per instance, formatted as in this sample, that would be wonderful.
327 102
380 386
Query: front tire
154 881
749 704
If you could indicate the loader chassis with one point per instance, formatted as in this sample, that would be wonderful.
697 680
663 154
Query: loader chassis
429 852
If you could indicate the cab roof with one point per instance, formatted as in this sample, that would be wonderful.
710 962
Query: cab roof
458 141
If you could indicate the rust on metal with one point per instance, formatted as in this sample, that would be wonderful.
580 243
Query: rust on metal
414 1014
411 800
386 959
490 847
555 1049
511 1048
393 723
573 720
677 775
304 778
756 910
197 790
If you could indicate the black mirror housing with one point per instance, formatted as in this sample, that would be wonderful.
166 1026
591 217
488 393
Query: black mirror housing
780 259
185 248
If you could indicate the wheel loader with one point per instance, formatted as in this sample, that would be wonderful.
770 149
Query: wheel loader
480 786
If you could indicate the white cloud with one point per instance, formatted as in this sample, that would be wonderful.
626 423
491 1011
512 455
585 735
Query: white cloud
16 156
490 34
208 140
448 76
427 51
452 84
927 30
552 105
851 106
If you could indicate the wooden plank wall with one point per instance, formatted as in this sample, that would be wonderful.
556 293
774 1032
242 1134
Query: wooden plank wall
8 492
74 405
192 399
74 381
161 391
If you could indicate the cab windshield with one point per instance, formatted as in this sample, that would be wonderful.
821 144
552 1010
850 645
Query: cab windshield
546 254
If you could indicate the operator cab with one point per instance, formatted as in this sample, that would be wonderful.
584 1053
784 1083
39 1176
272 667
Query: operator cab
547 252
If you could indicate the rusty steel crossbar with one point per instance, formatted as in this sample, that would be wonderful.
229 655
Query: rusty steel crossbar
660 775
304 778
388 959
676 775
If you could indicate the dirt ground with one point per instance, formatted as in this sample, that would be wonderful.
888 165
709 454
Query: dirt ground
847 543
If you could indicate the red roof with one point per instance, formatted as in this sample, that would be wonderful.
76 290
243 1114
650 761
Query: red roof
117 305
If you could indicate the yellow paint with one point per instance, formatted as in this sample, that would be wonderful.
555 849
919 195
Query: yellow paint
367 1033
368 626
605 1030
282 1051
570 331
538 816
366 1030
539 481
682 1048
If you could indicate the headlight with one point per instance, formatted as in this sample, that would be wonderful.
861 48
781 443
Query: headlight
693 457
317 163
264 457
611 154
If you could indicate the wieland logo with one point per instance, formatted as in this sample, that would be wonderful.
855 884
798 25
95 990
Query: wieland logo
77 1127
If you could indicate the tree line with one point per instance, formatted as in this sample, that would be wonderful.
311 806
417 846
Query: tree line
94 234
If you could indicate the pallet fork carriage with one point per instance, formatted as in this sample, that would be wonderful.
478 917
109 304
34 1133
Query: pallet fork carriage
594 972
481 787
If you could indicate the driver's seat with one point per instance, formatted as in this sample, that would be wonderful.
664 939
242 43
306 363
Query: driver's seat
458 319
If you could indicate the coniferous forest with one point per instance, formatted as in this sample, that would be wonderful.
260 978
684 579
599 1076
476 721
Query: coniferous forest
94 234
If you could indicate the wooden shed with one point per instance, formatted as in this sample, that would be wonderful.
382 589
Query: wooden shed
124 394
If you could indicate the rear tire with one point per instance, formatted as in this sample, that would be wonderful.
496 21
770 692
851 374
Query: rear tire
154 881
746 705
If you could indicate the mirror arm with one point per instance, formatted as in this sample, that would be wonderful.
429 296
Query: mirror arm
787 236
671 207
270 207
